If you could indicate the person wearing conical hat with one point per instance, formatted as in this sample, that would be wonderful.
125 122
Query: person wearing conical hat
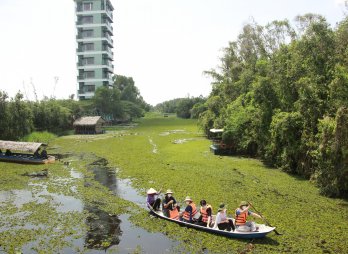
152 199
242 213
169 204
190 210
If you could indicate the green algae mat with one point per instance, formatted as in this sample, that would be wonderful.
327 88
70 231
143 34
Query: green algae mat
54 214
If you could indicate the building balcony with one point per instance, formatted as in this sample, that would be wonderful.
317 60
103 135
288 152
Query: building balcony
105 78
108 15
109 28
109 67
108 54
86 95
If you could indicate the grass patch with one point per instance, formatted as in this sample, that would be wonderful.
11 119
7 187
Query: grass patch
41 137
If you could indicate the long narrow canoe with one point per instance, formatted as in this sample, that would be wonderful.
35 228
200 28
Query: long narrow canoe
261 233
25 158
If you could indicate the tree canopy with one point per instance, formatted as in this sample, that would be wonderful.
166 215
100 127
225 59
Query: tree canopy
281 93
19 118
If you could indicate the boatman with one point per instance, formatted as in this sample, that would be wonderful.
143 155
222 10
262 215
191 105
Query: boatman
44 154
37 153
190 210
242 213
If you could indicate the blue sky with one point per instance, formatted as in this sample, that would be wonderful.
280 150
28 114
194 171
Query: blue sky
164 45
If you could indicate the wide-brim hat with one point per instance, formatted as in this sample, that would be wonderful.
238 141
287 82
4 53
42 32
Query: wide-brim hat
222 206
243 203
188 199
169 191
151 191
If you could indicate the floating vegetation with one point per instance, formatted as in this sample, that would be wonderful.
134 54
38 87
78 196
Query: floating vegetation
154 150
182 141
166 133
93 198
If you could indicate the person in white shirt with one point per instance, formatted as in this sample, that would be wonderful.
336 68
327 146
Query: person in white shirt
221 220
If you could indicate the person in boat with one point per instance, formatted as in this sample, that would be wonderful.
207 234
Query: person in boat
152 199
206 211
170 206
37 153
44 154
221 221
242 213
8 152
190 211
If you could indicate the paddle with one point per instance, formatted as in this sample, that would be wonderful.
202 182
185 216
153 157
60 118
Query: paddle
264 219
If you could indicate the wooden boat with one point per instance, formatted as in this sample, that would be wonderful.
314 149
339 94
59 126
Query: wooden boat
23 157
26 158
261 233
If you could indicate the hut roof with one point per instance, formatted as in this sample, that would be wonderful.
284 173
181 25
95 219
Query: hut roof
88 120
20 146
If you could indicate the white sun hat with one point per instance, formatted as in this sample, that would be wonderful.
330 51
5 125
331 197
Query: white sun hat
188 199
151 191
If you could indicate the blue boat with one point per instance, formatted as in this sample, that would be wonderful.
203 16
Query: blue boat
18 157
261 233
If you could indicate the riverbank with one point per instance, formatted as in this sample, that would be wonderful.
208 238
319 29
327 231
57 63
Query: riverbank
161 153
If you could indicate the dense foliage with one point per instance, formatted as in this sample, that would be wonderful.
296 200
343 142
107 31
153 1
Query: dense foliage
189 107
282 94
121 103
19 118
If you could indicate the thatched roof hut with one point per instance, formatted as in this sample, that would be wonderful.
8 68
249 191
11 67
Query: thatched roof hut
89 125
20 146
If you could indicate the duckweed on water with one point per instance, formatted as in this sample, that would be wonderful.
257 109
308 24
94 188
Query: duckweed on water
290 203
42 223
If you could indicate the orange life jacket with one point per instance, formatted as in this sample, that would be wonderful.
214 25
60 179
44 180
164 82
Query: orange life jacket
174 214
205 214
186 215
241 219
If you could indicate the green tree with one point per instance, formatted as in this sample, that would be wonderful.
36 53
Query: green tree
20 118
4 116
332 158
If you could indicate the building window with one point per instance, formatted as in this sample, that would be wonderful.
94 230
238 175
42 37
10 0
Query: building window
87 19
87 33
87 6
90 88
89 74
88 46
88 61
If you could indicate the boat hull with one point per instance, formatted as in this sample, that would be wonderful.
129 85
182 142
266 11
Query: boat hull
261 233
27 160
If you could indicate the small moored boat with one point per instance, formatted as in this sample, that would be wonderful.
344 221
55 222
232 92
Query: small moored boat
261 233
19 157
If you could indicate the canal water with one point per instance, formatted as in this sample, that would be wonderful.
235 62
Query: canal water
130 237
116 229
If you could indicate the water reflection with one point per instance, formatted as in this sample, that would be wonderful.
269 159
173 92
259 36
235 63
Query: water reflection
123 236
104 230
120 187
